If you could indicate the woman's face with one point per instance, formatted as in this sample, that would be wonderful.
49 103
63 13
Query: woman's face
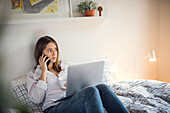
51 51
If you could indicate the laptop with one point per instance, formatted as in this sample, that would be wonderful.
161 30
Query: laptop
83 75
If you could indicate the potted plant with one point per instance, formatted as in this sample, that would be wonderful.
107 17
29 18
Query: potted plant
88 7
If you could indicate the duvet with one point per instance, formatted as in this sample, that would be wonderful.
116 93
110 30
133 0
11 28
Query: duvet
143 96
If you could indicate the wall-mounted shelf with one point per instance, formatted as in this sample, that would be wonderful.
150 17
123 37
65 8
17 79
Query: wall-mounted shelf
67 14
31 21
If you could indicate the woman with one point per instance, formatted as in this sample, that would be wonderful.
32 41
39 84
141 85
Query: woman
43 86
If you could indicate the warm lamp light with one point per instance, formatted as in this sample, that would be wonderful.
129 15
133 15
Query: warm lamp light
151 58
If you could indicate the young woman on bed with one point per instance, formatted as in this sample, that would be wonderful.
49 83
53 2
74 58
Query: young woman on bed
43 86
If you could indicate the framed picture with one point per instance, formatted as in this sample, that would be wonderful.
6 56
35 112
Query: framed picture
24 10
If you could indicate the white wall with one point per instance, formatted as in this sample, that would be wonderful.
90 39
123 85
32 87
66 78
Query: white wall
135 31
164 46
129 32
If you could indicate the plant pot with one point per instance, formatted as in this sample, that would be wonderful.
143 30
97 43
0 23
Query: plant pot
90 12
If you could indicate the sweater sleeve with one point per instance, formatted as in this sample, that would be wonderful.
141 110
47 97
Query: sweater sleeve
36 88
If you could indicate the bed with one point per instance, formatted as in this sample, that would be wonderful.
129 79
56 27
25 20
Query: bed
138 96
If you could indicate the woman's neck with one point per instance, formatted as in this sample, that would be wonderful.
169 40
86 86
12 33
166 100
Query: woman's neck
50 66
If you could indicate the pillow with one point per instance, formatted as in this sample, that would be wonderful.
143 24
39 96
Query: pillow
18 81
109 73
21 94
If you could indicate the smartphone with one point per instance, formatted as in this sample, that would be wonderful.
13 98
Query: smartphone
45 58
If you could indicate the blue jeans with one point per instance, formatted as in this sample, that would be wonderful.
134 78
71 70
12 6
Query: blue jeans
90 100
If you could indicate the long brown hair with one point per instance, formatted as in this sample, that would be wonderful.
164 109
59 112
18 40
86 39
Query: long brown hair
40 46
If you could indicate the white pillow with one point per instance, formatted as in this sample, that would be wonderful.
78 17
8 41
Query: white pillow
110 72
18 81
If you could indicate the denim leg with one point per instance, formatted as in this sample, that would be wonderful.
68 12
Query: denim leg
86 100
110 101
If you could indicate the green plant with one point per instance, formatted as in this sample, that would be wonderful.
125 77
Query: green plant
87 5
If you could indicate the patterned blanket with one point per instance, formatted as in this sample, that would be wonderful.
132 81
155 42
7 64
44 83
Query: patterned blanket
143 96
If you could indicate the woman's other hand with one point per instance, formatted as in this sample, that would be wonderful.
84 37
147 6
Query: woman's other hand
65 86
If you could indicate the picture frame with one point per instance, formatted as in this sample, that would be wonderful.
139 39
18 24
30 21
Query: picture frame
26 11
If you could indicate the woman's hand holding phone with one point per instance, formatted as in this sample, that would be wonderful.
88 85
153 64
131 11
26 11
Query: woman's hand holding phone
43 62
43 65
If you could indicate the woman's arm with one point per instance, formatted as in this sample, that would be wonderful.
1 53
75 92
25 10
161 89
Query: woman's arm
43 76
36 88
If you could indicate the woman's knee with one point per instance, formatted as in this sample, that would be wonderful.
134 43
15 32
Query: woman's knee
102 86
91 91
